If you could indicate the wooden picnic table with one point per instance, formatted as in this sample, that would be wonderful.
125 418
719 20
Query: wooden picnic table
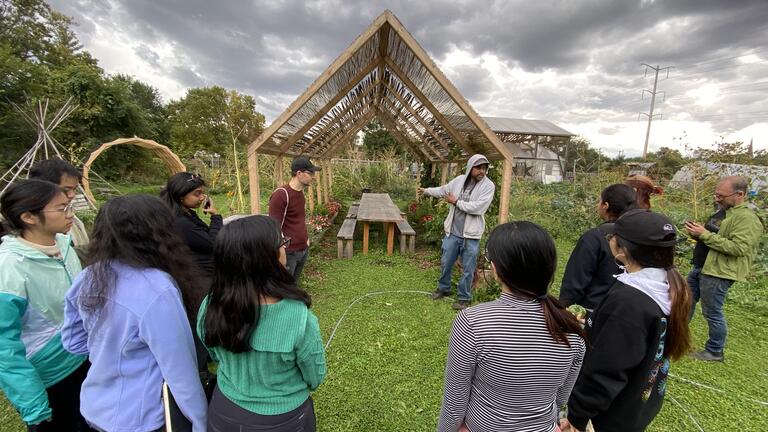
378 207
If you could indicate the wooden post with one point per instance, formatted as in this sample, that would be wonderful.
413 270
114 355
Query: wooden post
319 186
434 169
330 174
366 231
443 174
310 193
327 177
390 237
506 184
279 176
253 180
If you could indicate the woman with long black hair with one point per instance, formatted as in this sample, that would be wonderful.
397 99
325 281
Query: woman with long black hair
512 362
637 328
184 193
129 309
258 327
590 270
37 265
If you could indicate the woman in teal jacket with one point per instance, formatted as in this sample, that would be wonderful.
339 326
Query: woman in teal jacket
258 327
37 265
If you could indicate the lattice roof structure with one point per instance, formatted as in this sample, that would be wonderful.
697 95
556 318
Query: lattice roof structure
383 74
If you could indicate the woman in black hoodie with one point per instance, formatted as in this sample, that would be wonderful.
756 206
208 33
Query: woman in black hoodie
638 327
590 270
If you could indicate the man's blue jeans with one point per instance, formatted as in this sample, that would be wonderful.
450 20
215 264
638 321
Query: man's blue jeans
711 291
454 246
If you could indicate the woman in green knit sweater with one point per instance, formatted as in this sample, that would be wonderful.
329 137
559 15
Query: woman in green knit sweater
257 325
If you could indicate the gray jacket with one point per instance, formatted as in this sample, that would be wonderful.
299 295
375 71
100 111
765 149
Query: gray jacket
479 201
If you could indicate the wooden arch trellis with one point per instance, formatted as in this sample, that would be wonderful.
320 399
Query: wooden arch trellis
165 154
384 74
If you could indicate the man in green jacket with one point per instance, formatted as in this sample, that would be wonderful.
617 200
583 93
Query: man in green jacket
731 252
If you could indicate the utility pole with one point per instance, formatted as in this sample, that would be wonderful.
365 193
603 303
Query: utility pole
653 93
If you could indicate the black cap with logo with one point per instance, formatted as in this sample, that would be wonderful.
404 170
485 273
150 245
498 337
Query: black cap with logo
302 163
646 228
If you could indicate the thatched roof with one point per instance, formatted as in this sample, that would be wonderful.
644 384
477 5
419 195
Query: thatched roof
384 74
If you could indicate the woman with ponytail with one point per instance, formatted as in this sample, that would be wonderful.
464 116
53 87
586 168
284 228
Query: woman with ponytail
638 327
512 362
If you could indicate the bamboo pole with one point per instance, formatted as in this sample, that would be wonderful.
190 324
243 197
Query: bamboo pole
506 184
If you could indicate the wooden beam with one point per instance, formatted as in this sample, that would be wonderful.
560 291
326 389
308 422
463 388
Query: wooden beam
396 114
449 88
311 196
322 79
339 116
342 130
413 88
389 122
506 184
253 182
354 81
319 187
383 48
413 112
362 121
279 178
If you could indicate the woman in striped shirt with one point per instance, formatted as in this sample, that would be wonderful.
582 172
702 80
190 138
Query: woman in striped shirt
512 362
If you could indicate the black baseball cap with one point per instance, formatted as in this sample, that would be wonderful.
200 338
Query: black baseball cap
302 163
645 228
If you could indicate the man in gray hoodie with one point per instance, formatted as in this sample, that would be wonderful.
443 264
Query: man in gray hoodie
469 196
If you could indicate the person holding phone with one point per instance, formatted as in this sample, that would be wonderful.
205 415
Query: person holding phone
184 193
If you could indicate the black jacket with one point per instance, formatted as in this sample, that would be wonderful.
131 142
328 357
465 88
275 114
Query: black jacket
624 375
590 269
199 237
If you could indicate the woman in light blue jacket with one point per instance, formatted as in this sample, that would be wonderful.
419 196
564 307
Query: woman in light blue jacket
37 264
129 309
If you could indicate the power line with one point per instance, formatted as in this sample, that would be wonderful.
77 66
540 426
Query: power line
722 59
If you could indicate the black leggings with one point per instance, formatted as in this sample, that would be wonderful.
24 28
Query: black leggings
226 416
64 400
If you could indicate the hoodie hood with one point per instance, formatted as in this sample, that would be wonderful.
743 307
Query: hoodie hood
653 283
473 161
12 244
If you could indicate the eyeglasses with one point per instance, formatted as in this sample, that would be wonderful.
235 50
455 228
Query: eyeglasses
284 242
69 209
193 177
718 196
486 257
609 236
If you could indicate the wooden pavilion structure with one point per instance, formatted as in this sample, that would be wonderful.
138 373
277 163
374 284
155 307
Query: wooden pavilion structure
383 74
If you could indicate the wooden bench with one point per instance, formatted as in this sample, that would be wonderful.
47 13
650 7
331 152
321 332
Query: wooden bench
352 213
345 238
407 235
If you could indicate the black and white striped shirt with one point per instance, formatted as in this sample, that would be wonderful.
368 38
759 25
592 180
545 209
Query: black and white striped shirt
504 371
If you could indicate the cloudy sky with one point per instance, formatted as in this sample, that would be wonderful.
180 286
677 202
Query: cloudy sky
574 62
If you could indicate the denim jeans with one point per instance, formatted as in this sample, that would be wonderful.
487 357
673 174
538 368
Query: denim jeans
693 284
711 291
454 246
295 262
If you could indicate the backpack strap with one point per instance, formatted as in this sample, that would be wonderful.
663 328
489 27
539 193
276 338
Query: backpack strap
287 201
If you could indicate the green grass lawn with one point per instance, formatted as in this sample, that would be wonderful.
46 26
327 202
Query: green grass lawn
385 363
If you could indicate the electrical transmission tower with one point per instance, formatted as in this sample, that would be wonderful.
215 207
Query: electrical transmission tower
653 93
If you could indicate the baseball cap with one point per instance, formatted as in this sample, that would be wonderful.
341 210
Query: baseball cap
646 228
302 163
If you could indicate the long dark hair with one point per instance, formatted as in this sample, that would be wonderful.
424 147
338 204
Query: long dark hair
137 230
678 339
619 198
25 196
246 257
177 187
525 259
